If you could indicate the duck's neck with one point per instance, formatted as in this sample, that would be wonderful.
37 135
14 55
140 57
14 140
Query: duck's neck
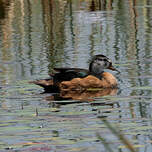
98 75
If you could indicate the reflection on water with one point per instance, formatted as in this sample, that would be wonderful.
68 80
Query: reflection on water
86 95
36 36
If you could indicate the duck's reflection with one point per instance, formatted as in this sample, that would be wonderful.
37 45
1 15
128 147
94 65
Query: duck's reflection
87 95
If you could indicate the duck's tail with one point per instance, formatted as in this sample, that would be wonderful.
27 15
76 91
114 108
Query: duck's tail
47 84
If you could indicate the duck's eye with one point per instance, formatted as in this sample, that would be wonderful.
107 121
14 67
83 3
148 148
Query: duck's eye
110 64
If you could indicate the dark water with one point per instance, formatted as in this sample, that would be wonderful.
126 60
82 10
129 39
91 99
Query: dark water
36 36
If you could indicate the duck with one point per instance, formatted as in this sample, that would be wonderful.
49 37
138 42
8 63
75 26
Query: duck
65 79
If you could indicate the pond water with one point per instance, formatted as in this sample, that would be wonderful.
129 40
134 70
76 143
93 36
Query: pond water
36 36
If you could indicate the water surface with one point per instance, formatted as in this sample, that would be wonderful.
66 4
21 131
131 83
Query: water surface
36 36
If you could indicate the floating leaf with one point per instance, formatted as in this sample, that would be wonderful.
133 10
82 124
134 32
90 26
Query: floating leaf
142 88
135 146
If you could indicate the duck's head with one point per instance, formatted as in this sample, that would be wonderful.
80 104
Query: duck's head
99 63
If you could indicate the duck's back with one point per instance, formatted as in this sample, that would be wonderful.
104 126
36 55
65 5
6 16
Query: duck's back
67 74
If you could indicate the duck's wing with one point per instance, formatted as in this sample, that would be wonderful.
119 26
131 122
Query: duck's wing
67 74
78 72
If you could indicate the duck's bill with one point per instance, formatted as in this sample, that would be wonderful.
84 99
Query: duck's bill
113 68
